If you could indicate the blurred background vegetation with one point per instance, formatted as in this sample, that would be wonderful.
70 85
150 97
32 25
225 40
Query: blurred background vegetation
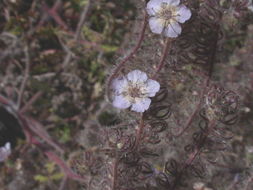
68 46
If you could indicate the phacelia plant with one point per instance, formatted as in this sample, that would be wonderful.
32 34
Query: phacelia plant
174 117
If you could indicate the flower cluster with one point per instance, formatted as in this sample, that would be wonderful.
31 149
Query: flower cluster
165 16
134 90
5 151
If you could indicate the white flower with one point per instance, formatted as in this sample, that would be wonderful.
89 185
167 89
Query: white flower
134 90
5 151
250 5
165 16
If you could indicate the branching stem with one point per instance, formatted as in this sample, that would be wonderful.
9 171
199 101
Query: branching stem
28 105
61 163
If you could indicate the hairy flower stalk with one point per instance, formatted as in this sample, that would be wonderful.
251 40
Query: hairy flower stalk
165 16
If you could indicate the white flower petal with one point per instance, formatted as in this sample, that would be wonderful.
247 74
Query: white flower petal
141 105
156 25
152 87
173 30
5 151
172 2
119 84
250 7
153 6
137 76
7 146
121 102
183 14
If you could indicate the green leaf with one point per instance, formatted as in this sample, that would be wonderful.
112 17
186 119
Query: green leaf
109 48
41 178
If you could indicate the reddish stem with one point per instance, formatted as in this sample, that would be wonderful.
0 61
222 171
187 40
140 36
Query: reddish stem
55 158
139 132
53 13
4 100
164 55
131 54
191 118
115 174
198 151
26 76
37 129
195 154
205 85
28 105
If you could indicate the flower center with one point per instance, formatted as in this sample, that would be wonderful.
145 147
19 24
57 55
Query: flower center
134 92
166 12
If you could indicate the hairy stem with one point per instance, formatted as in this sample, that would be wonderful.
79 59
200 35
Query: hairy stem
211 61
140 131
61 163
27 72
28 105
82 20
54 14
196 111
115 173
128 57
195 154
213 53
164 55
36 129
